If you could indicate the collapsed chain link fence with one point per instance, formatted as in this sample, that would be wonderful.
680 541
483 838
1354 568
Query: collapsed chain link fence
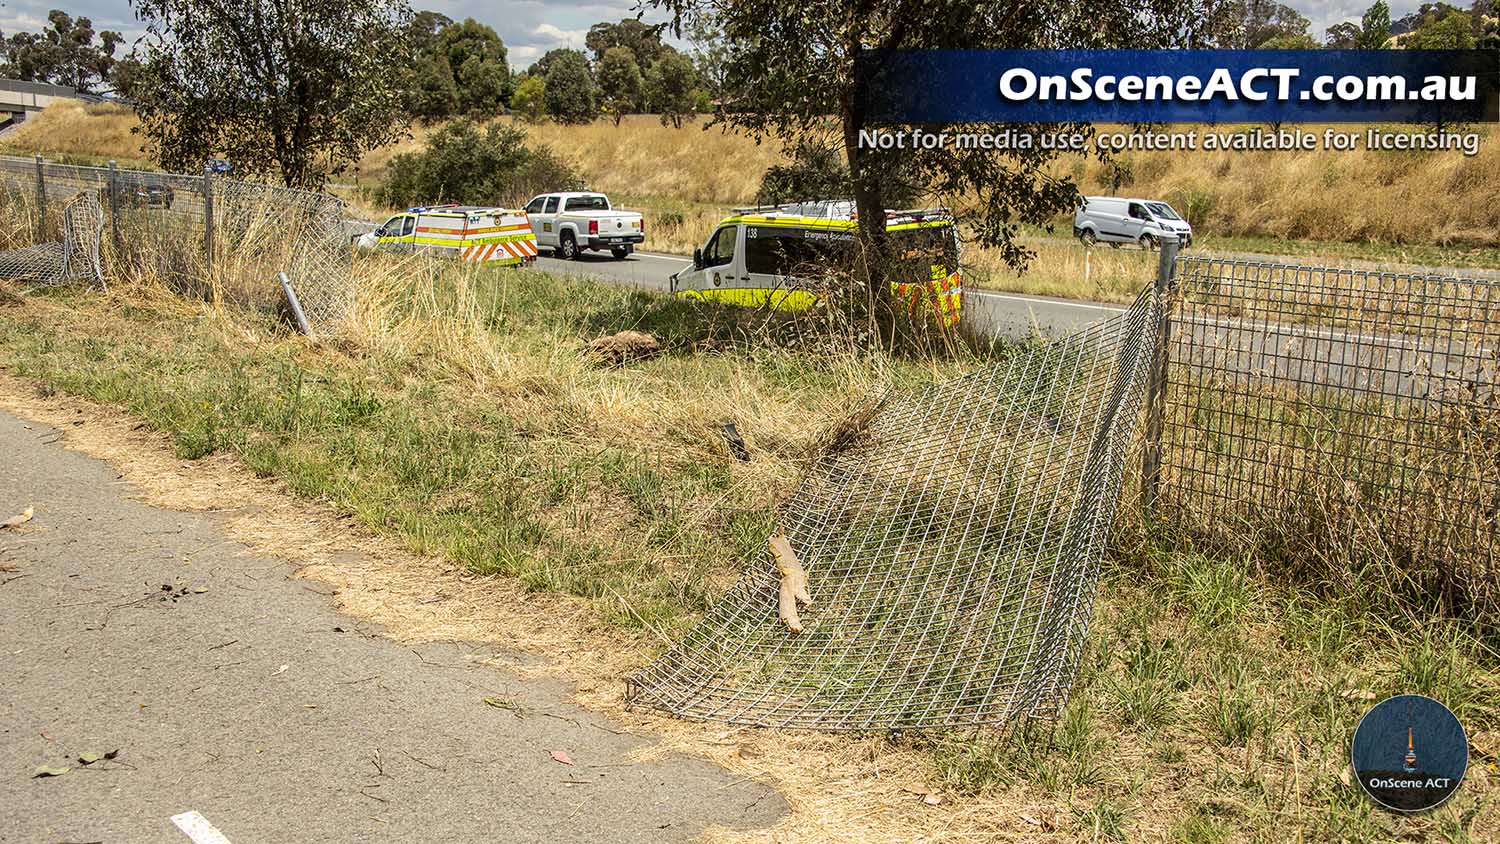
1328 418
951 539
201 235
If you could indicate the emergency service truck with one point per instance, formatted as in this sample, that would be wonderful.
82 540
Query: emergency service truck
571 222
468 232
770 256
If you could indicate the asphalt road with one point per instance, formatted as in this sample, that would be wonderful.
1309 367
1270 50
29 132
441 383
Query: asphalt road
229 689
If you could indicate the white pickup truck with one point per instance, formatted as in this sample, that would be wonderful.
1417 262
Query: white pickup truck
569 223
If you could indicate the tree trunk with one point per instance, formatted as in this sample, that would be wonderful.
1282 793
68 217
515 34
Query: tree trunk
869 202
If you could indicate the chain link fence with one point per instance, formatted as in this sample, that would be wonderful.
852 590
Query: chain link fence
1337 421
202 235
951 539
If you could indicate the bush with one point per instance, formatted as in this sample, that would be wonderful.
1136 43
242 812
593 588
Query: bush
529 101
813 173
570 89
470 166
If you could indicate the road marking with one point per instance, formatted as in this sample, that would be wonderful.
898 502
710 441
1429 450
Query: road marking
198 828
677 258
1035 300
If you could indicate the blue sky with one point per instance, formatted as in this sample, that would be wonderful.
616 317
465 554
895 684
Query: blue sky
532 27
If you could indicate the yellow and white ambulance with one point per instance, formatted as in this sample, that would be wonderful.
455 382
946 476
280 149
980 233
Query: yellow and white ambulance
470 233
770 255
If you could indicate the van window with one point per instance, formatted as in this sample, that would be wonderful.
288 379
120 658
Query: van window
720 250
551 205
1138 211
535 206
1162 209
399 226
587 203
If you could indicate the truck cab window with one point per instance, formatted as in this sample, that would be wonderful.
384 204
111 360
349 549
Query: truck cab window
720 250
587 203
551 205
535 205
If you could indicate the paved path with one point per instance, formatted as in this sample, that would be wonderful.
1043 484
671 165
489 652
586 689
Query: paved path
254 704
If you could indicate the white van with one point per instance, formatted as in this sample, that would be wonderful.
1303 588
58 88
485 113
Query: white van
1115 221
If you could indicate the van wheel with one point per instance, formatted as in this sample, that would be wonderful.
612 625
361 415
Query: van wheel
620 252
1088 237
1148 242
567 247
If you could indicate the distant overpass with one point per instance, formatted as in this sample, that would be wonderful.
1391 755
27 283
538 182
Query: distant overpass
18 99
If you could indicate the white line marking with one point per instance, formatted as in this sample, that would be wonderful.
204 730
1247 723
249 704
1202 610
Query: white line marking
198 828
1035 300
677 258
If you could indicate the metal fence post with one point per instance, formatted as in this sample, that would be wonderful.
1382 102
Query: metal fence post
208 217
41 200
114 204
1157 384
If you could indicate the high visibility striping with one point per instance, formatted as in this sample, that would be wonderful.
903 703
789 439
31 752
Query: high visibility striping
197 827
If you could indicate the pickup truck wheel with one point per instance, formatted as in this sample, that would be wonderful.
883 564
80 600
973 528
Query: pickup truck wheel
1148 242
620 252
1088 237
567 247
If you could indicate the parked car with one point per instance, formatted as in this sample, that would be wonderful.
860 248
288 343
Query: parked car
1115 221
146 195
571 222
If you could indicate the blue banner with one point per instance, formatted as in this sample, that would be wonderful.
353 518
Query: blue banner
1180 86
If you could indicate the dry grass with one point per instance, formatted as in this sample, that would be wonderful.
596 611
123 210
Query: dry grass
72 129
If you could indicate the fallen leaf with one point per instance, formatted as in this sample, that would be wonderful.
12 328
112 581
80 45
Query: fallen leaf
1345 778
17 521
199 590
49 771
280 670
89 757
1029 819
560 756
932 799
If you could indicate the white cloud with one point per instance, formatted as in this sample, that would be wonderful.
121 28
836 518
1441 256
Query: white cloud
561 37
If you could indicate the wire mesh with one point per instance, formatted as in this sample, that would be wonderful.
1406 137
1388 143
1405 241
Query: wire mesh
951 540
73 256
1337 415
205 236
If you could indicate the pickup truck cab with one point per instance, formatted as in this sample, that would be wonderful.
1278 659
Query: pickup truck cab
568 223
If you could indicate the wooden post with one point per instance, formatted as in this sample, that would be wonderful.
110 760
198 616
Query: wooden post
114 205
208 218
1157 385
41 200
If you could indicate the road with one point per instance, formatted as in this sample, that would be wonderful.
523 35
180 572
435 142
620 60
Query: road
1002 315
232 690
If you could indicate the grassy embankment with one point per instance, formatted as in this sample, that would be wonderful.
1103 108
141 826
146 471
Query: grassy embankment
1389 209
457 418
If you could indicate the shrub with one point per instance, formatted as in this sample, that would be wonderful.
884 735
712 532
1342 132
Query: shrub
530 99
813 173
468 165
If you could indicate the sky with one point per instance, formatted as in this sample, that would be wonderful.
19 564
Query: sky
530 28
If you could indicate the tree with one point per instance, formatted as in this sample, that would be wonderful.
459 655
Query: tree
529 100
1264 20
1485 16
478 59
301 88
544 64
643 40
465 165
1343 36
63 54
423 30
569 90
1453 31
620 83
1375 27
801 86
432 95
709 54
1289 42
670 87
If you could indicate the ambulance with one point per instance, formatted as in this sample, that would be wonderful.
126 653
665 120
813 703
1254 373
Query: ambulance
769 256
471 233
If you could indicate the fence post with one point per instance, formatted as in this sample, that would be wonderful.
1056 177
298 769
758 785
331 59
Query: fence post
41 201
114 205
1157 385
208 217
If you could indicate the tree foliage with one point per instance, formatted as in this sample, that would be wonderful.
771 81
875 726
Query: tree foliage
1264 20
671 88
299 88
465 164
1375 26
1452 31
64 53
477 57
529 100
621 86
569 93
643 40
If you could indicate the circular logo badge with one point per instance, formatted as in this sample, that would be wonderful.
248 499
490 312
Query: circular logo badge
1409 753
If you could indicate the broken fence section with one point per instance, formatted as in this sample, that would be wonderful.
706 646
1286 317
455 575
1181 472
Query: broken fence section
952 550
